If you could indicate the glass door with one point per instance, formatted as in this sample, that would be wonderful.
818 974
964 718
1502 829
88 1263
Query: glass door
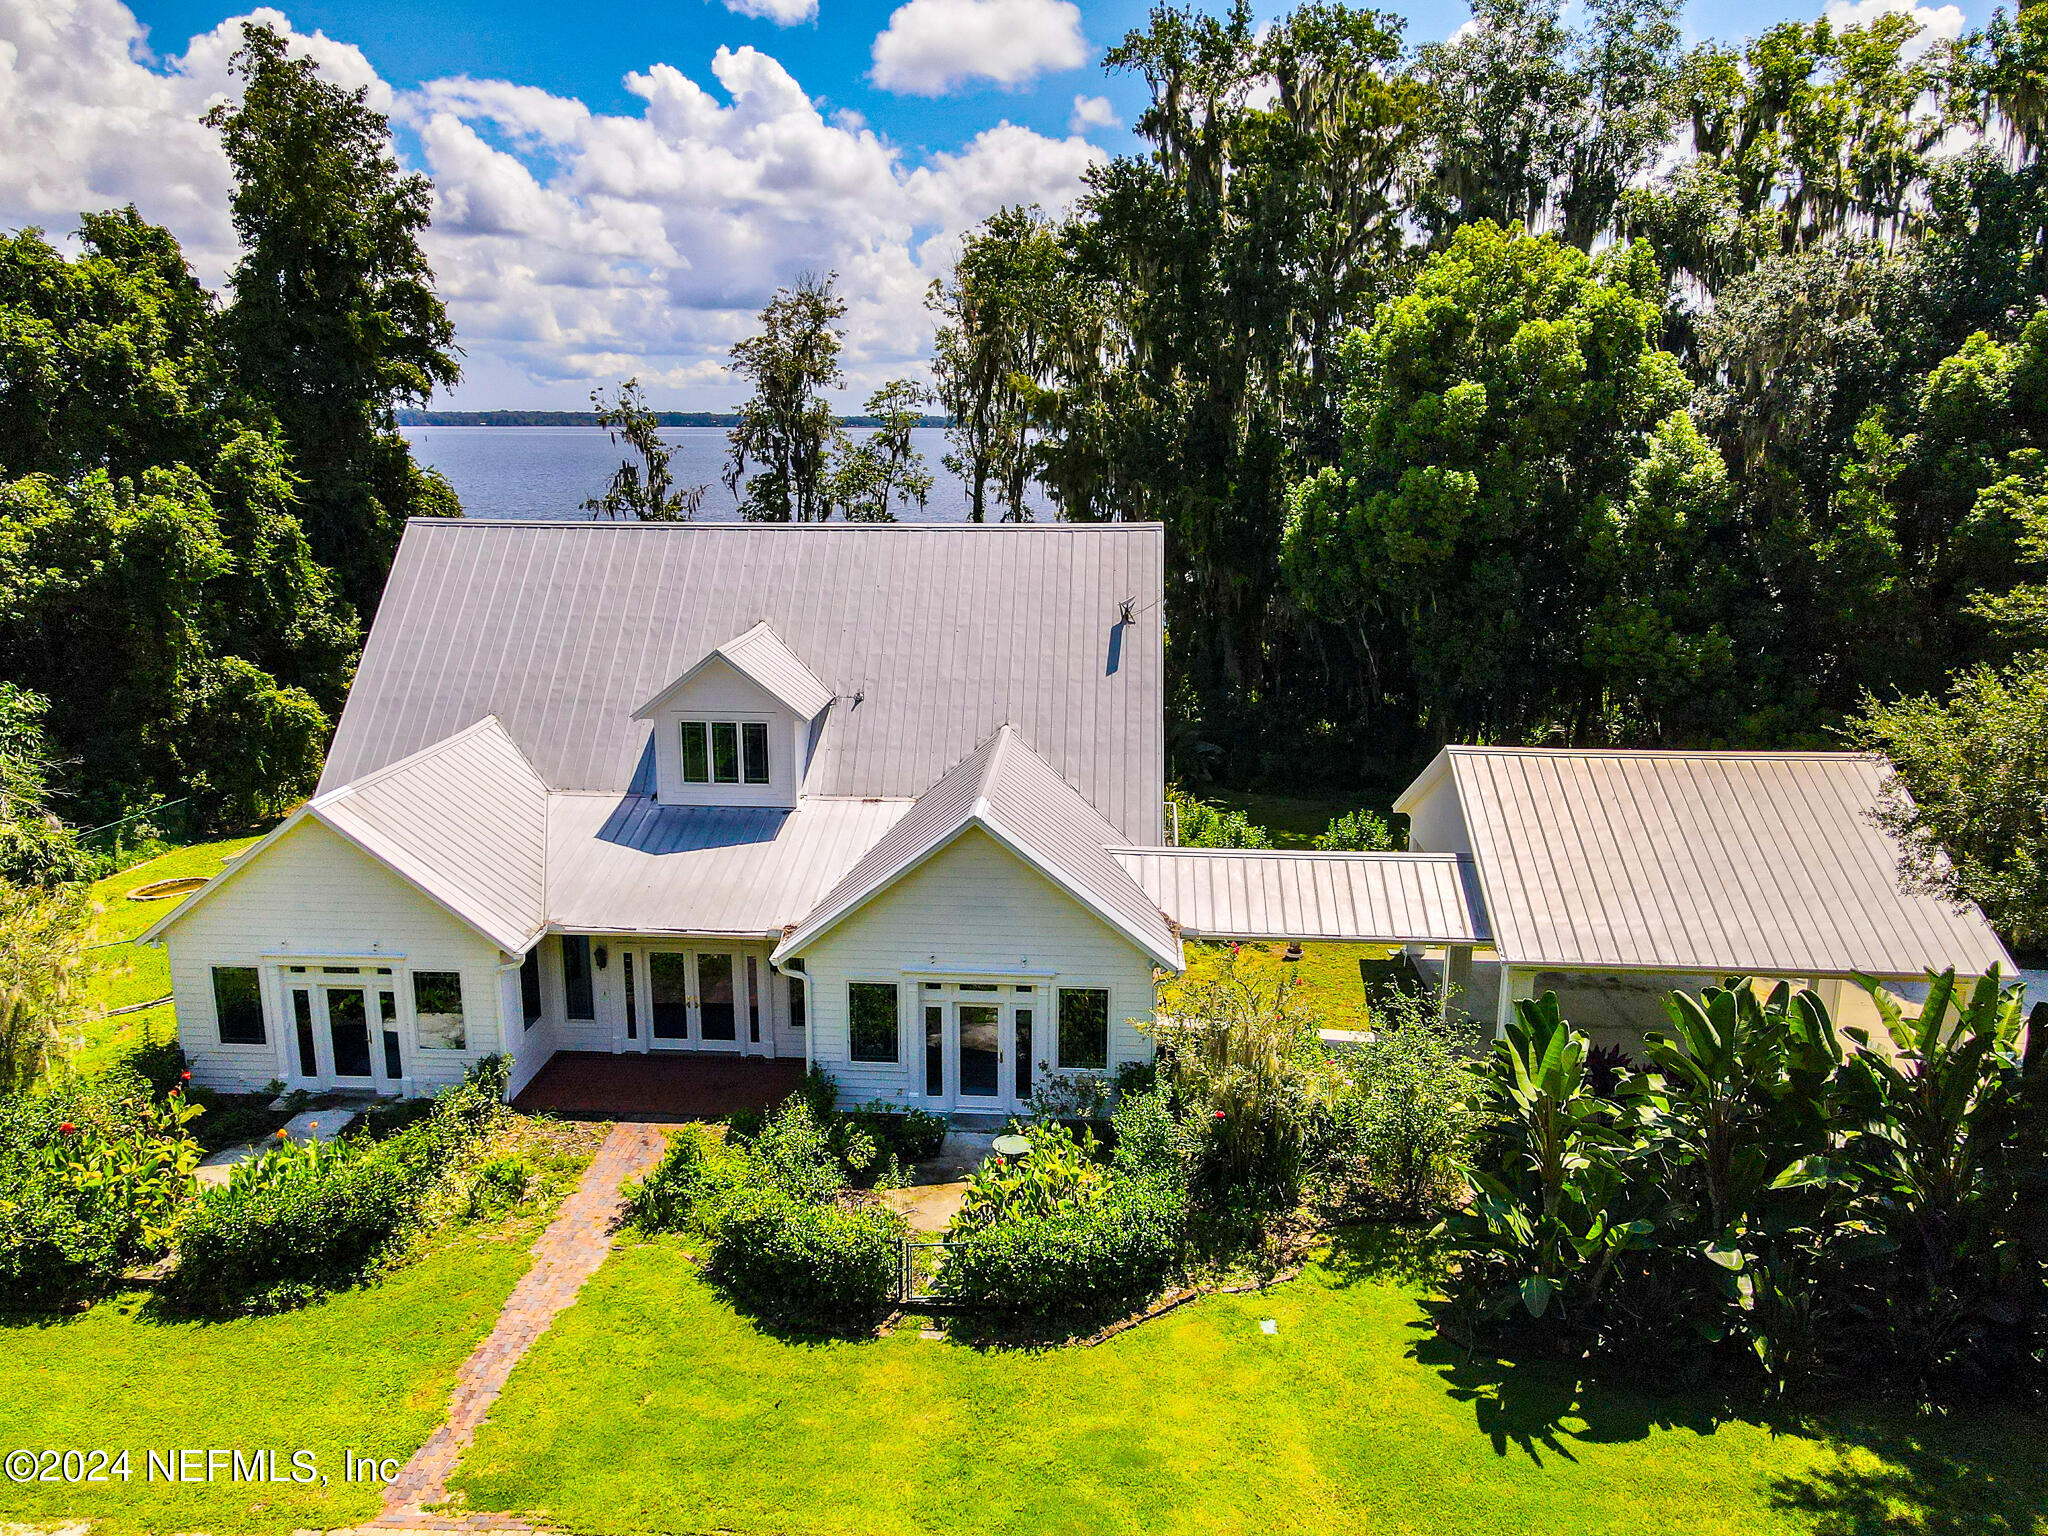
693 1000
718 1013
668 999
348 1035
980 1052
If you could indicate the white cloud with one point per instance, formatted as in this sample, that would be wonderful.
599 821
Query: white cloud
1092 112
784 13
88 123
1937 23
573 247
931 47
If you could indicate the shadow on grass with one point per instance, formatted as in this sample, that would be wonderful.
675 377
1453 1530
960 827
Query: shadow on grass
1967 1477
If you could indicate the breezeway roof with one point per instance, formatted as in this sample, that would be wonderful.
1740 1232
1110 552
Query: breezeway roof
1396 898
1709 862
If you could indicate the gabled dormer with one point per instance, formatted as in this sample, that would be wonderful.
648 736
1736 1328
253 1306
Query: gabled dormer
738 727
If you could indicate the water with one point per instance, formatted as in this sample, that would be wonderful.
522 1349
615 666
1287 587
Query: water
513 472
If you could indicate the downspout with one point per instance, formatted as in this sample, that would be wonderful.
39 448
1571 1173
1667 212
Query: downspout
810 999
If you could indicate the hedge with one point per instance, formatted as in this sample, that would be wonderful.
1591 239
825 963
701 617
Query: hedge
1093 1260
828 1263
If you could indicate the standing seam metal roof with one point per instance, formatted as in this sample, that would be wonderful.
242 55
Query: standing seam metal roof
930 637
1009 791
1699 861
1395 898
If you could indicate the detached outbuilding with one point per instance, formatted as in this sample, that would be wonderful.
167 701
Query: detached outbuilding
1615 877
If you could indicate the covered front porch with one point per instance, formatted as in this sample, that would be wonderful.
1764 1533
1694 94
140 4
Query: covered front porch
681 1086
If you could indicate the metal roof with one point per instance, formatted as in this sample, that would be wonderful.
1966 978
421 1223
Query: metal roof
1715 862
1011 793
1395 898
629 865
464 822
762 657
931 637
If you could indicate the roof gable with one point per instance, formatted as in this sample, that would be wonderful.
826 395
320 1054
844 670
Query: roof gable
760 657
1710 862
1011 793
464 822
929 637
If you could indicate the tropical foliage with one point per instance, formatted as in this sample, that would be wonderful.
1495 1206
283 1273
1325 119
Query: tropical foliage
1770 1199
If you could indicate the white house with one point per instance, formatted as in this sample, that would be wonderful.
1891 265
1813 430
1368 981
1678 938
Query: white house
889 798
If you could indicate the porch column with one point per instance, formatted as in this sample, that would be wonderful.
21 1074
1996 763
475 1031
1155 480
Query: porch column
1457 978
1504 1010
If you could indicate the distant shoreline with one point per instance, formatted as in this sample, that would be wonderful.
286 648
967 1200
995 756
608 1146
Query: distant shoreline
418 418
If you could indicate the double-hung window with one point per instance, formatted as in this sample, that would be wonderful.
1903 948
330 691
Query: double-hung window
725 752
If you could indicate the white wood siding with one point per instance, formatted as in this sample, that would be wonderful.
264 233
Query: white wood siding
974 908
312 893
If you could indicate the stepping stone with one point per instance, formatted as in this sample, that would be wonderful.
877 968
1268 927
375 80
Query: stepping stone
313 1125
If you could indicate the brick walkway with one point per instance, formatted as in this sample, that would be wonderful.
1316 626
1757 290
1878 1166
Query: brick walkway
567 1254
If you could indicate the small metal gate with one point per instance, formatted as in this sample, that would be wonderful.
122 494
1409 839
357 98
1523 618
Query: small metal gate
921 1261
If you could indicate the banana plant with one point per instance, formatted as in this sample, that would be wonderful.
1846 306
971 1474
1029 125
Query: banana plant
1549 1222
1953 1152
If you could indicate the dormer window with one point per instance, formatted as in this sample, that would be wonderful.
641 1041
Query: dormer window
725 751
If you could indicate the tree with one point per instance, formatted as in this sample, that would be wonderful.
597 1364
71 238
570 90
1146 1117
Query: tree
35 847
870 477
149 536
1496 418
786 427
646 489
334 320
1965 798
43 992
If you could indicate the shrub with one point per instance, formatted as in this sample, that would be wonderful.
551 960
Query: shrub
1397 1136
1241 1054
296 1221
1088 1260
692 1177
92 1176
300 1220
1761 1204
1356 832
1149 1141
497 1185
1203 825
1056 1175
912 1135
818 1262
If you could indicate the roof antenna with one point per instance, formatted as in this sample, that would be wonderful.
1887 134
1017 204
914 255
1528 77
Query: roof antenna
1128 611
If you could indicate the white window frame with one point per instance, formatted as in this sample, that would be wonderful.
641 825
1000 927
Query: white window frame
849 983
739 721
1081 984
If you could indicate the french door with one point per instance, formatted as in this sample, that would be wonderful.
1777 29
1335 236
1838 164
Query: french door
344 1035
695 999
980 1046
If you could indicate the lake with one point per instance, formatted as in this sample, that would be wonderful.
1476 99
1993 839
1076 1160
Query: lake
514 472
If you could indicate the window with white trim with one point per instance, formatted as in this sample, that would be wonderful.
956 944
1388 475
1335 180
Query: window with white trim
725 751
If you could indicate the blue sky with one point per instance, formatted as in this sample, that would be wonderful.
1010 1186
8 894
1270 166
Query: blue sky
619 187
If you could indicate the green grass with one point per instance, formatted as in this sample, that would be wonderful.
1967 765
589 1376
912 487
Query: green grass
652 1406
1327 973
124 972
368 1371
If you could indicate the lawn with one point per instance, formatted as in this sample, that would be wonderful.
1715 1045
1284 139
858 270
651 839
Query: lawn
366 1372
125 972
1327 974
652 1406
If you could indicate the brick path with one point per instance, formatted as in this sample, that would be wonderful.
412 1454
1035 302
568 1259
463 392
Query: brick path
567 1254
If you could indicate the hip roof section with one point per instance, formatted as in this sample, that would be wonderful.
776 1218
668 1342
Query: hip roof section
1728 862
929 637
